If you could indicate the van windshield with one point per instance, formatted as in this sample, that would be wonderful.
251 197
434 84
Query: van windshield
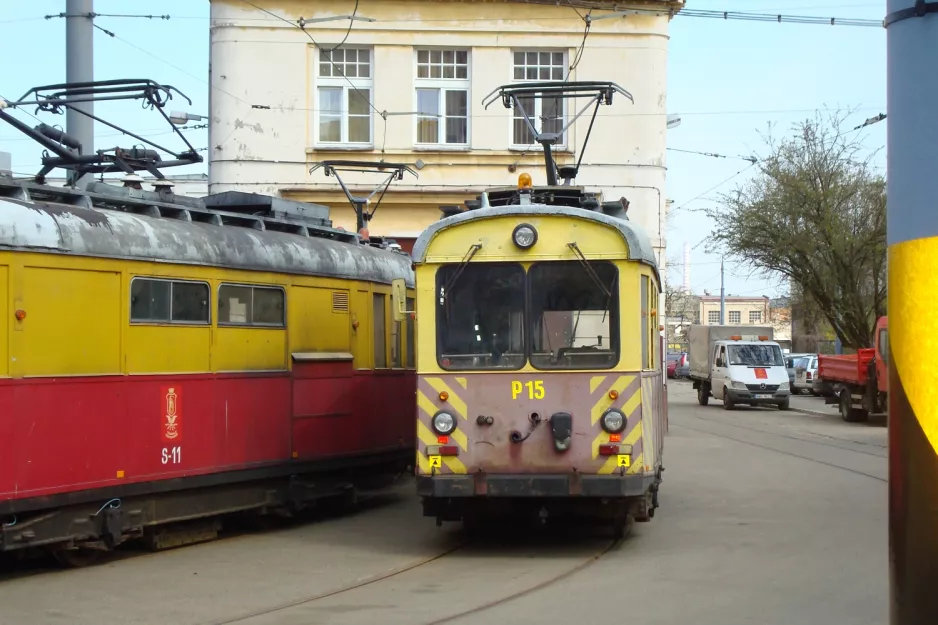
755 355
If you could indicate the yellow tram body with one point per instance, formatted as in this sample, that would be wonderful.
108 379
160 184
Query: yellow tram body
529 427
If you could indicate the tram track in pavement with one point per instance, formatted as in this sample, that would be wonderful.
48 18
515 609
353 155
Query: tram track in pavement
581 565
783 451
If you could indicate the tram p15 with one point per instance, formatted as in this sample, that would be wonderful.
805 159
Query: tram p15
539 355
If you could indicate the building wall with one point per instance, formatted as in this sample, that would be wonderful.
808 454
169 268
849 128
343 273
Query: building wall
758 307
265 106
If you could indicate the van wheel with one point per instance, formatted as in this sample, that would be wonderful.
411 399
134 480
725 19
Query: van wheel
703 394
785 405
727 401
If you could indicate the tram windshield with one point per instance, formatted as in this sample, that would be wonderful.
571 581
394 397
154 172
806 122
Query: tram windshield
574 310
480 316
755 355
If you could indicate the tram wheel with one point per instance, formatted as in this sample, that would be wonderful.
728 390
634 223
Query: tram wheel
622 527
77 558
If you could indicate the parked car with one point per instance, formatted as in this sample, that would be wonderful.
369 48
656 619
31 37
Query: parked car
790 360
806 375
683 367
673 360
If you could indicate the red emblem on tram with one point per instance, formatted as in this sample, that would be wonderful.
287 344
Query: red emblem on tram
171 414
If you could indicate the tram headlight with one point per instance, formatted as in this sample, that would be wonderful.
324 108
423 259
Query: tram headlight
444 423
524 236
613 421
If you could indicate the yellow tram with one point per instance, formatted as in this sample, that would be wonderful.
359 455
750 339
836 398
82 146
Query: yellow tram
540 385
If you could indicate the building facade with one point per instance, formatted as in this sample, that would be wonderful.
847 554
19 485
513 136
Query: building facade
752 311
405 84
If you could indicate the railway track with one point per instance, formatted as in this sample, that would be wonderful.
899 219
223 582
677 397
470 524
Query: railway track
394 574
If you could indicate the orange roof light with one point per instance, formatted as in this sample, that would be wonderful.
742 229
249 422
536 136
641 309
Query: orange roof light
763 338
736 338
524 181
444 395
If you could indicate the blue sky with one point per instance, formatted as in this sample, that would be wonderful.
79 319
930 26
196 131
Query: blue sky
728 80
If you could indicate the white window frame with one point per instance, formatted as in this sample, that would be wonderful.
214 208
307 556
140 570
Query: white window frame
739 315
338 82
538 102
710 315
757 312
443 85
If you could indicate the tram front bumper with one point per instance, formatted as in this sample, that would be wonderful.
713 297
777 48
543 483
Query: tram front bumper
575 485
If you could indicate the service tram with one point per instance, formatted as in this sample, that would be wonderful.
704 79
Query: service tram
166 360
540 385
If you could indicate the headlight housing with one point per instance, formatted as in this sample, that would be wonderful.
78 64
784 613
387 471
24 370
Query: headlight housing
740 385
444 423
524 236
784 386
613 421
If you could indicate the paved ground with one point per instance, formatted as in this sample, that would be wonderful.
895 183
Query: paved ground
767 517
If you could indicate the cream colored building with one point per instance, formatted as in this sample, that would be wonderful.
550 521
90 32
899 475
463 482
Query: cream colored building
407 86
739 310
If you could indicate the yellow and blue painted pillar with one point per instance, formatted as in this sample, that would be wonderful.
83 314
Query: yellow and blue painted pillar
912 233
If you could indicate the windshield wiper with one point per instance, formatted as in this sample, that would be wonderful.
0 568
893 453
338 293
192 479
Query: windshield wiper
475 247
589 270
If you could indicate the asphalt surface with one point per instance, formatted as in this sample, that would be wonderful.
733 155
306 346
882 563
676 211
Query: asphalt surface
766 517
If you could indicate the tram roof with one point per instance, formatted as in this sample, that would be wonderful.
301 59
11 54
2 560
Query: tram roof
50 227
639 244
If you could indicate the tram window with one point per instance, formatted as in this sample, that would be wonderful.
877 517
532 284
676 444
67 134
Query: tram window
381 353
251 305
411 356
480 316
645 324
395 344
574 315
168 301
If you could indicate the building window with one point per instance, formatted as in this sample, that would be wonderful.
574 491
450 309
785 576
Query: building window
713 317
735 316
381 352
344 96
259 306
168 301
443 97
547 114
755 316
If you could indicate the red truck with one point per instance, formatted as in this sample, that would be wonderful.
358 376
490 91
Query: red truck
858 382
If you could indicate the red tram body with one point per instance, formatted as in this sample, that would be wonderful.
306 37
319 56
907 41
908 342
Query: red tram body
167 361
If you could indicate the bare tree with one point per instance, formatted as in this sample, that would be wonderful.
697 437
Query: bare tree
815 212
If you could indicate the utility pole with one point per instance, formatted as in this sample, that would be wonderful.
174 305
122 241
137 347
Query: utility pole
722 296
912 237
79 67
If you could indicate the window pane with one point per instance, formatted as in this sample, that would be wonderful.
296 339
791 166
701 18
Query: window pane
644 298
428 101
545 58
330 107
330 129
423 71
190 302
395 344
359 129
428 130
457 130
532 58
359 101
351 55
364 55
449 71
462 72
519 58
456 103
557 58
462 57
573 315
481 319
325 69
544 73
448 57
411 355
149 300
330 99
381 356
423 56
351 70
519 73
557 73
436 56
531 73
234 304
364 70
268 306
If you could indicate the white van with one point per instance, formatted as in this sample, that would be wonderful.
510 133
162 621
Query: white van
738 370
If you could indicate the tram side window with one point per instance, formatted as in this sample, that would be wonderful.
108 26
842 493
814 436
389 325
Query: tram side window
574 315
381 354
168 301
646 364
411 355
259 306
396 344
